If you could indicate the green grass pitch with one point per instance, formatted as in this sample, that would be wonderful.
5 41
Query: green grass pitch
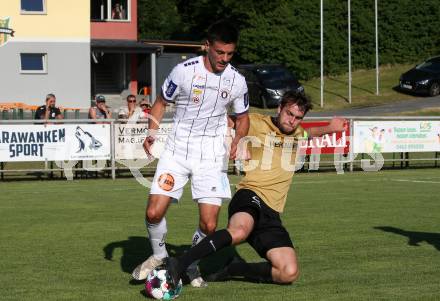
359 236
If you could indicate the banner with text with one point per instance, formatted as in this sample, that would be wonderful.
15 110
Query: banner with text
129 139
327 144
54 142
396 136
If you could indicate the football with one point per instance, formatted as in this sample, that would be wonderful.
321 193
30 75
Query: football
157 285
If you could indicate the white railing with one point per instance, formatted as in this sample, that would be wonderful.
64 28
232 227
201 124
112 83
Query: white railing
338 160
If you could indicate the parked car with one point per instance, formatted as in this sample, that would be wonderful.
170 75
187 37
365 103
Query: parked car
267 83
423 78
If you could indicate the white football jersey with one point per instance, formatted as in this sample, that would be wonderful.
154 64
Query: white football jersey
202 99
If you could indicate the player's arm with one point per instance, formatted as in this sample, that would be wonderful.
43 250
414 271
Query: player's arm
157 112
335 125
241 118
241 130
92 113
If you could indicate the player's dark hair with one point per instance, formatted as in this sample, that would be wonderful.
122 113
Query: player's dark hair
300 99
222 31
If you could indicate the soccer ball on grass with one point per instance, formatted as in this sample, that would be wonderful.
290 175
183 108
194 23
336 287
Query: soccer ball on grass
157 285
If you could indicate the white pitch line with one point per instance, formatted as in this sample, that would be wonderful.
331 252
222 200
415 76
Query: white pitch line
415 181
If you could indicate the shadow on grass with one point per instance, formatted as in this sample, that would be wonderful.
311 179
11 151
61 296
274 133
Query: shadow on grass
137 249
353 86
327 91
414 237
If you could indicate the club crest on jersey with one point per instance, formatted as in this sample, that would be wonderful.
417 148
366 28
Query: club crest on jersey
170 89
196 99
166 181
224 94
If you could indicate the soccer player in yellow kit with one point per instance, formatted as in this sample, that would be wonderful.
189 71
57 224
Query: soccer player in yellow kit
254 211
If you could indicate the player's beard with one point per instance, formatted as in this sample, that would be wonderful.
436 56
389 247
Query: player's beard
281 127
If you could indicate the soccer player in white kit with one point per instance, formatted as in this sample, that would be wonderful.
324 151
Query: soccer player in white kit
202 89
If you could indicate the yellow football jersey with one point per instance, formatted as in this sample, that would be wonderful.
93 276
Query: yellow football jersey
271 167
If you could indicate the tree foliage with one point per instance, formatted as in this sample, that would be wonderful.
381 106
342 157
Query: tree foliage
158 19
288 31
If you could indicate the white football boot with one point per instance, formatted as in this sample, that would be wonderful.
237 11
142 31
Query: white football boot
141 271
195 277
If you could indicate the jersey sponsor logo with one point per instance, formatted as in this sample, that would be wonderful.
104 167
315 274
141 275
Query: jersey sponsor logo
86 139
246 99
227 81
198 77
197 91
170 89
199 86
224 94
196 95
190 63
166 181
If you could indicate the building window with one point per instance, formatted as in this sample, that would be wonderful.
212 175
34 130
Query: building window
110 10
33 6
33 62
119 10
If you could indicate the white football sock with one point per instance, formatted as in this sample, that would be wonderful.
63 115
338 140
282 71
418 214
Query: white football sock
197 237
157 234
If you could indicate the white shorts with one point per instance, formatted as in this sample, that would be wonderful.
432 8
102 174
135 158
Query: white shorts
208 180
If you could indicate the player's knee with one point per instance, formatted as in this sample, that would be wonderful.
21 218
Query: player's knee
153 216
289 273
208 227
238 234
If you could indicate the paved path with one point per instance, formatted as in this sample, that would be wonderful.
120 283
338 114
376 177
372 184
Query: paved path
396 107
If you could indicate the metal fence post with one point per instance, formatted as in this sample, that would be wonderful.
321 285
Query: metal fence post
435 161
112 149
351 155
